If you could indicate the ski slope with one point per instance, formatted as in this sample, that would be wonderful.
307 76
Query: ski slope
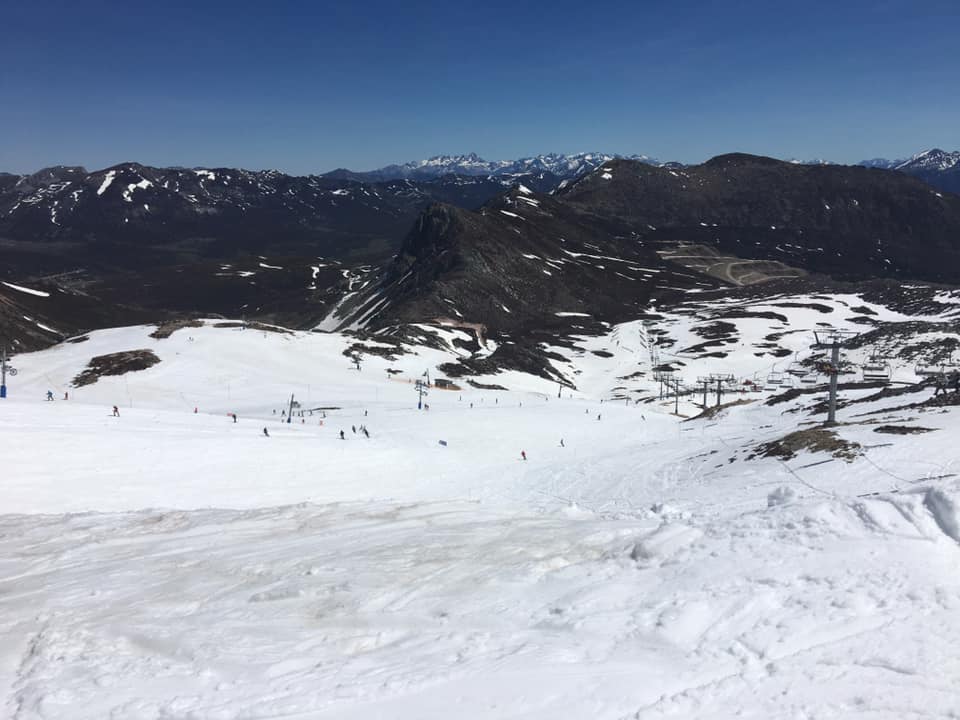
171 563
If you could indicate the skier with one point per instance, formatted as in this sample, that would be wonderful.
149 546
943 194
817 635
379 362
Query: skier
364 413
66 396
354 428
234 417
116 411
523 454
265 433
561 443
941 385
342 436
366 432
598 416
49 394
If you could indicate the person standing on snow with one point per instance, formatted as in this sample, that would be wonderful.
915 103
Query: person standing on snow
49 395
342 435
116 411
523 454
265 433
941 385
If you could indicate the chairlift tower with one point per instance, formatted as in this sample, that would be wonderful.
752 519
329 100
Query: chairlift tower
664 377
832 339
720 379
4 371
421 388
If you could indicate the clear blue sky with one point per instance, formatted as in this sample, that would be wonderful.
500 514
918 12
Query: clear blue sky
311 86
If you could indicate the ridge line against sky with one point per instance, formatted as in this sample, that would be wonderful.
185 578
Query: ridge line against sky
627 156
308 89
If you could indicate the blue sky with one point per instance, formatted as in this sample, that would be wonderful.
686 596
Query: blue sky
311 86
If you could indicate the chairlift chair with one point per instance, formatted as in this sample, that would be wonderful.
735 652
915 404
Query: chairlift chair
796 369
774 381
876 369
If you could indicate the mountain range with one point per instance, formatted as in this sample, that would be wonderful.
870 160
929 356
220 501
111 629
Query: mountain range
518 248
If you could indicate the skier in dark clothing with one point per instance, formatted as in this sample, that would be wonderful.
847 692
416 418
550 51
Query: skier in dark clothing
234 416
49 394
523 454
367 433
342 435
116 411
354 427
265 433
561 443
940 385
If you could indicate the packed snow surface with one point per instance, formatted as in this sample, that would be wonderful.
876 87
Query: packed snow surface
173 563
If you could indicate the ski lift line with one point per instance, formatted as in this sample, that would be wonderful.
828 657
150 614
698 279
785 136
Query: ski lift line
821 462
884 470
807 484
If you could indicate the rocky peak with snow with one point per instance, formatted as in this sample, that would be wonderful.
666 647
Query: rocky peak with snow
561 165
934 159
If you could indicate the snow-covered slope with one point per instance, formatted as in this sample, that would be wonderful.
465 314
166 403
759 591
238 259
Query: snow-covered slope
173 563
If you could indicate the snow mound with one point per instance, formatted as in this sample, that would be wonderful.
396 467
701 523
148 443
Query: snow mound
944 511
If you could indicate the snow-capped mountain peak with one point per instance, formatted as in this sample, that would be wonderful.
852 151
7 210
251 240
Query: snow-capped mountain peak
933 159
559 164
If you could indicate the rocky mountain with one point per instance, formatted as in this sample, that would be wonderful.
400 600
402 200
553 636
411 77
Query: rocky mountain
879 163
519 255
132 242
848 222
604 247
937 167
523 262
129 215
552 164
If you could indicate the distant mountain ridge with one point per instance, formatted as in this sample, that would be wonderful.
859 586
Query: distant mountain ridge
936 167
471 164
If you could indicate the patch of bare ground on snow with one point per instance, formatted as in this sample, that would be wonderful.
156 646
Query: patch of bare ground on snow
118 363
816 439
